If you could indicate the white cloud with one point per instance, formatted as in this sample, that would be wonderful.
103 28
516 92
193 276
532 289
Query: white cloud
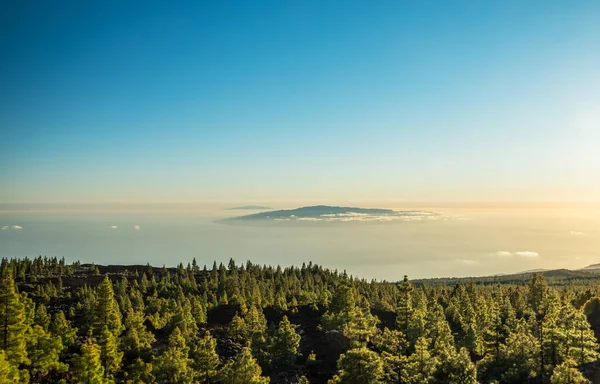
467 261
577 233
526 254
136 227
5 227
113 227
17 227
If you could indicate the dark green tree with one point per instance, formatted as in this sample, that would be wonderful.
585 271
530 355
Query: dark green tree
174 365
205 358
61 327
243 370
567 373
44 351
13 325
88 366
359 366
106 311
284 344
111 357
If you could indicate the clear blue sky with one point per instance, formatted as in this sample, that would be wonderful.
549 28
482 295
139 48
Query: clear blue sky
317 100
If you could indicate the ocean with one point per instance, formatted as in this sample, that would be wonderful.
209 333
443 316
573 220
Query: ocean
474 240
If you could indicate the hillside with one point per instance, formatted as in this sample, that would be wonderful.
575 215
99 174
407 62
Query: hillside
324 213
292 325
554 277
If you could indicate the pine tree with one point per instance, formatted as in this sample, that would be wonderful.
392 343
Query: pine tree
173 366
566 373
394 367
457 369
583 347
243 370
88 366
421 365
205 357
342 306
44 351
61 327
13 324
359 366
438 331
41 316
8 372
416 328
139 372
184 320
284 344
256 323
361 326
405 308
107 311
391 341
111 356
474 342
520 354
237 329
137 339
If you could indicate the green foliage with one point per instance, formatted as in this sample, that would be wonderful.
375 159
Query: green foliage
582 345
8 372
520 354
566 373
41 316
361 326
509 333
61 327
137 339
140 372
205 358
457 369
243 370
13 324
405 309
174 365
359 366
106 311
111 356
421 365
391 341
88 366
284 344
44 351
237 329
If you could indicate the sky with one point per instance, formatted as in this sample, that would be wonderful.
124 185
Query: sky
303 100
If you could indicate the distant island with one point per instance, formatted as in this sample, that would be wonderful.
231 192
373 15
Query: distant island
325 213
248 208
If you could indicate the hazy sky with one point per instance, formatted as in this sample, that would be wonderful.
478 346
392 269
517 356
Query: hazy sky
319 100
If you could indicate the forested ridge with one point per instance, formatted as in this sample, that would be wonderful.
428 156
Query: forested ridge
246 323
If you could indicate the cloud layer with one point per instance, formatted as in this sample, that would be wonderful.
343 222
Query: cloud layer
366 217
524 254
5 227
